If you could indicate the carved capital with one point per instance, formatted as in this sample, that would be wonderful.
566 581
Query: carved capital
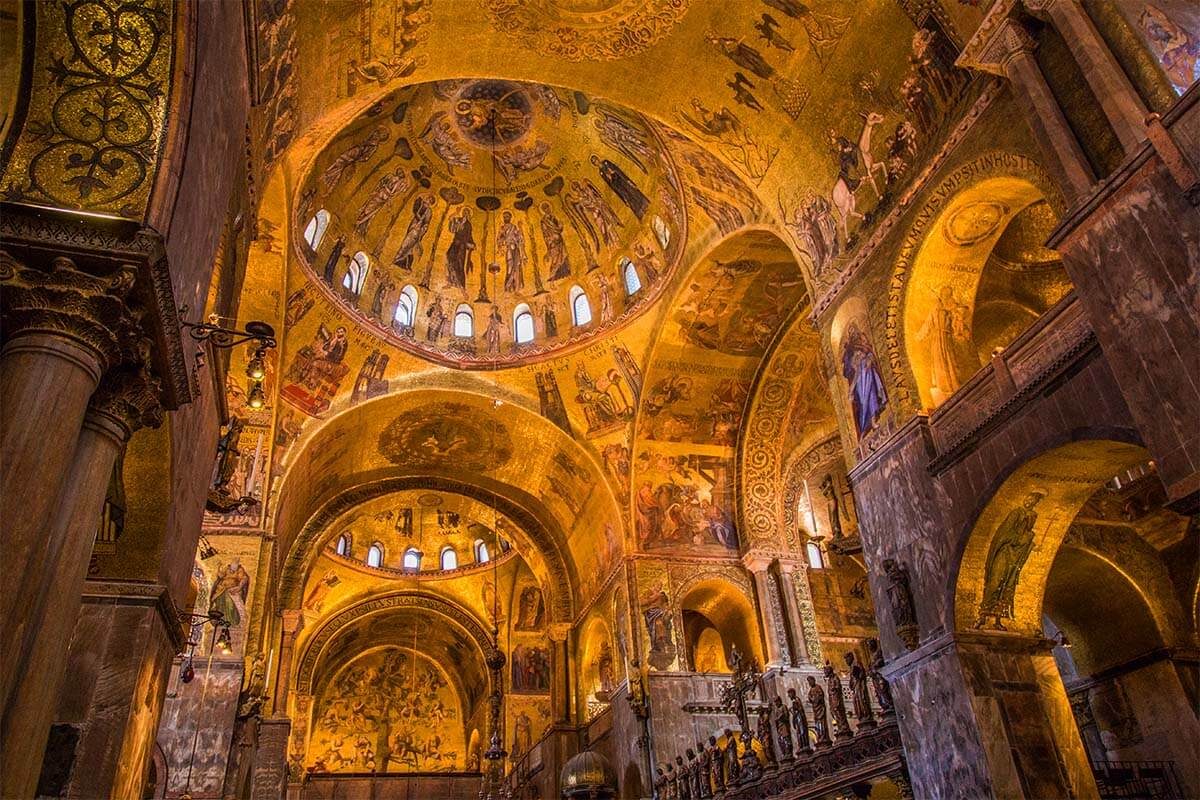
997 40
66 302
559 631
130 395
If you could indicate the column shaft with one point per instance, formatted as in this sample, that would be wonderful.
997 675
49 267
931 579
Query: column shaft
772 633
795 619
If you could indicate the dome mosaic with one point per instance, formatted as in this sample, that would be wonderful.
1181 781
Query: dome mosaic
486 223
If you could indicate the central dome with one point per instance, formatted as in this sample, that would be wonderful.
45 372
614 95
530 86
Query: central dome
485 223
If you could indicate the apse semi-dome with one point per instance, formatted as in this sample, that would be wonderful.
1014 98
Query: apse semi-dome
483 223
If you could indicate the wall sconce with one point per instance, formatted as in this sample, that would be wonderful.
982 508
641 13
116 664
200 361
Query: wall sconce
226 338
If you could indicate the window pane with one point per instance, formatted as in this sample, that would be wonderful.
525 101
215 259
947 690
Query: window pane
463 324
633 283
582 310
449 559
524 331
375 556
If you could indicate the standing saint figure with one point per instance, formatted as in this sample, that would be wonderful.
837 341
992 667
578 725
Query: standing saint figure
799 722
410 246
491 334
867 395
859 694
622 186
1006 558
229 592
883 692
733 767
783 730
558 264
437 320
947 331
335 256
837 703
816 701
458 254
762 732
606 306
512 241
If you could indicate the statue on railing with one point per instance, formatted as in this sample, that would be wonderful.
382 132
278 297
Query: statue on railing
733 765
672 783
883 691
716 763
837 704
703 770
660 784
684 785
860 694
763 733
799 723
816 701
783 729
900 598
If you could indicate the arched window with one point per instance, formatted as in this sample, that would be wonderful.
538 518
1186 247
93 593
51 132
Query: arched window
375 555
406 309
412 559
356 275
449 558
481 552
816 559
343 545
523 324
314 232
581 309
633 282
464 322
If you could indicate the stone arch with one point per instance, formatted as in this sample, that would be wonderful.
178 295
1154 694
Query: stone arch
595 635
717 605
993 166
1012 542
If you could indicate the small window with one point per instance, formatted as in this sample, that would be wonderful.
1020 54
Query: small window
356 275
406 309
816 559
581 309
375 555
343 545
481 551
464 322
412 559
315 231
523 324
449 558
633 283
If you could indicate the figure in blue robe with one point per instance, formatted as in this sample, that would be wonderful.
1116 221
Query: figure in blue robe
867 395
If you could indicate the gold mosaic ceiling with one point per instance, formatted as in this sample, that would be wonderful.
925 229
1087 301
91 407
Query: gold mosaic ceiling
490 198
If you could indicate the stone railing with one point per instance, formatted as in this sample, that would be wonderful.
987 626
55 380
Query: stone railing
1153 780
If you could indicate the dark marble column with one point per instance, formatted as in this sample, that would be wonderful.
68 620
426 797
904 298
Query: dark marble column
560 675
293 621
270 759
1132 250
770 610
125 639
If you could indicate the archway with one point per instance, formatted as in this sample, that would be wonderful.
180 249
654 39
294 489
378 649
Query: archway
717 618
980 278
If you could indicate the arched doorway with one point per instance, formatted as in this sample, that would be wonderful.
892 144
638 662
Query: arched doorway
716 618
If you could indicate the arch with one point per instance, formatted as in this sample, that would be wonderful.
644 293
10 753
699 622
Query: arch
343 545
713 603
581 308
481 552
523 329
464 322
406 307
356 274
448 559
314 232
629 273
1022 176
596 664
411 560
375 555
1013 541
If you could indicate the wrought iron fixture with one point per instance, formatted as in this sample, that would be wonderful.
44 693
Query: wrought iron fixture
225 338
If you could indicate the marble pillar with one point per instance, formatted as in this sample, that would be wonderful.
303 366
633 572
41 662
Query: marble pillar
801 624
1132 250
290 628
770 610
1119 101
126 636
560 676
1006 49
62 329
269 780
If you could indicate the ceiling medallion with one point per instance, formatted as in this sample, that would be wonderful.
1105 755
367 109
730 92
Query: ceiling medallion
587 30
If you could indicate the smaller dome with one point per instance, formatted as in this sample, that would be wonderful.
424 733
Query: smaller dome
588 774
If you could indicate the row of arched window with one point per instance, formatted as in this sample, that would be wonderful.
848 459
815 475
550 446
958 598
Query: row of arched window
524 329
411 561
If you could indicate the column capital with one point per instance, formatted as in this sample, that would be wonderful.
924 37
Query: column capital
997 40
130 394
293 621
559 631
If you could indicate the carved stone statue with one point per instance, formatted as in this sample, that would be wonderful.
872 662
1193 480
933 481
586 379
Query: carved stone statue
637 691
684 786
799 723
883 692
703 787
837 704
783 729
900 597
763 733
816 701
829 492
660 784
672 783
227 454
716 762
733 769
859 693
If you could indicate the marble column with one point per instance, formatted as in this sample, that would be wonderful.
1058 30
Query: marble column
270 759
1119 101
124 402
62 329
770 610
560 665
126 636
293 622
801 624
1006 49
